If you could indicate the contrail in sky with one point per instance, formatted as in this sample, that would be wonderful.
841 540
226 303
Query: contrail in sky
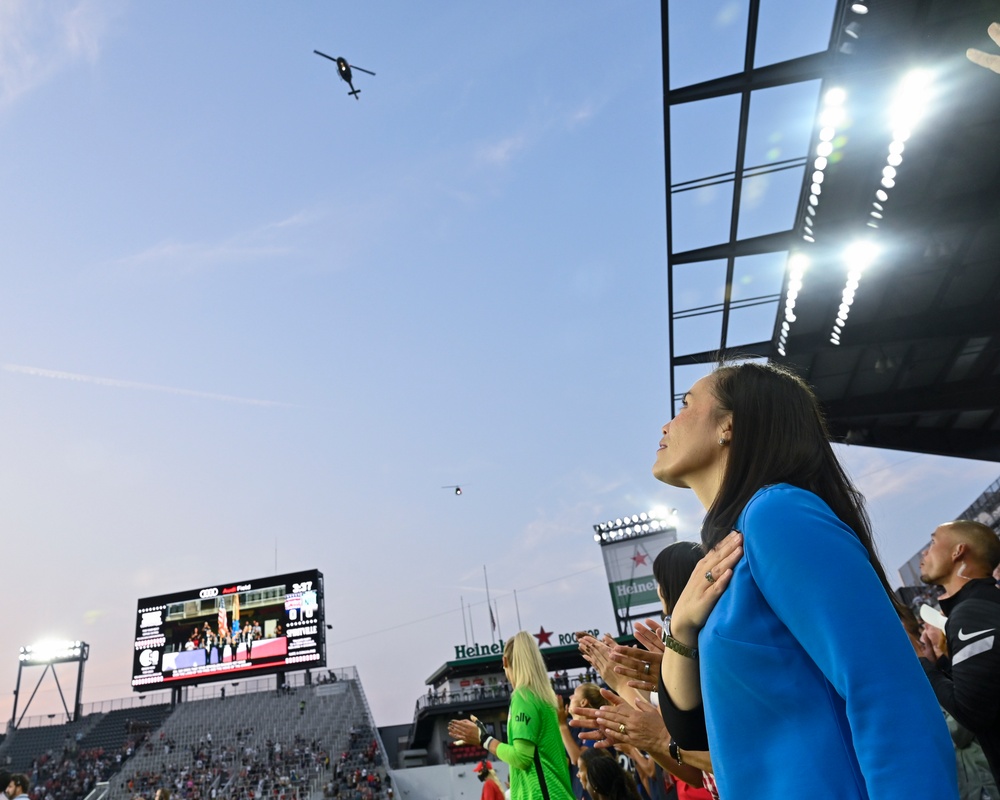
148 387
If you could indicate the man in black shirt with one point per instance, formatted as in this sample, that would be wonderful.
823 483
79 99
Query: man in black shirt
961 558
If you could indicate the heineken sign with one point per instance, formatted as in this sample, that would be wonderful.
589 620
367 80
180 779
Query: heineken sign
478 650
544 637
629 566
634 593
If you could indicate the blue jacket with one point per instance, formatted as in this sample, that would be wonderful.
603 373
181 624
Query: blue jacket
811 687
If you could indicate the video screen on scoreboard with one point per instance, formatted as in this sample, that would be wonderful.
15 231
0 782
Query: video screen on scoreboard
239 629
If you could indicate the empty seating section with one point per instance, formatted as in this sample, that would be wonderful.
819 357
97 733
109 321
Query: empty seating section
119 726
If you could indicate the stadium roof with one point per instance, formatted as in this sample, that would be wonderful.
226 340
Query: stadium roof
852 235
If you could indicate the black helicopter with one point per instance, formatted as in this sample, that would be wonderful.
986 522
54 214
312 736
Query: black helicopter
345 71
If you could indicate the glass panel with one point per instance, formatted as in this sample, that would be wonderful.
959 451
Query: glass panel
781 122
697 334
752 324
701 217
696 286
768 202
758 276
699 285
703 138
686 376
792 28
707 39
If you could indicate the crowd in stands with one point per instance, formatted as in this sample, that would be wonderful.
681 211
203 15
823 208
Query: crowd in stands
244 772
357 775
74 773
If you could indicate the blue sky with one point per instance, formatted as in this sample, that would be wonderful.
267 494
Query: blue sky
248 322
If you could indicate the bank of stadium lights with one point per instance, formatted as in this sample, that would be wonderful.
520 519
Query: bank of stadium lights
857 257
636 525
798 263
908 106
830 118
51 652
853 28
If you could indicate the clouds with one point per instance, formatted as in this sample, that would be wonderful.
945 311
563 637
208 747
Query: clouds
40 40
504 150
267 241
115 383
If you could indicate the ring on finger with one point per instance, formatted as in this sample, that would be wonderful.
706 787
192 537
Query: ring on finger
621 729
709 577
645 669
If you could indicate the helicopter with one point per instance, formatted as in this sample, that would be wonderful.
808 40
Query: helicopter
345 71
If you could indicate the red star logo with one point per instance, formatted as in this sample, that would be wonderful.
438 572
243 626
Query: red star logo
639 558
543 636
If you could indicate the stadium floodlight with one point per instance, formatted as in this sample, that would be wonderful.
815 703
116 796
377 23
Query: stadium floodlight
635 525
53 652
47 654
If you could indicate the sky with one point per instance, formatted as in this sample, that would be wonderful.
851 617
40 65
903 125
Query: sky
249 324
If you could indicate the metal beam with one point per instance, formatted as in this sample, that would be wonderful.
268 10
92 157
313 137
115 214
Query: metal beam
982 445
976 395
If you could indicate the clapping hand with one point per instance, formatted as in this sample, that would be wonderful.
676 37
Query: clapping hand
988 60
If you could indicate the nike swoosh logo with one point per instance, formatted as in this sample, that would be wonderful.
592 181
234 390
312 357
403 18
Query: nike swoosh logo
966 636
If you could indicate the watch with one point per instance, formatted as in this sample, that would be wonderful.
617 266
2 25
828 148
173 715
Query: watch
675 752
678 647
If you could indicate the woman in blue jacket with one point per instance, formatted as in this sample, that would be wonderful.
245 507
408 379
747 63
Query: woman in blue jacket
785 645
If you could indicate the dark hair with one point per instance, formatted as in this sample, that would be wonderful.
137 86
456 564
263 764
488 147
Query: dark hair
606 776
673 566
20 781
779 436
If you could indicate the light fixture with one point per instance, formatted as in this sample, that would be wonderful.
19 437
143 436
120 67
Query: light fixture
635 525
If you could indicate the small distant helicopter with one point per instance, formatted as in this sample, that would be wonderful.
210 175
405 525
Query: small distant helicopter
458 489
345 71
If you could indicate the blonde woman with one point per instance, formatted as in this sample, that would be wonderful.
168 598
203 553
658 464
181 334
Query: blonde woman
539 767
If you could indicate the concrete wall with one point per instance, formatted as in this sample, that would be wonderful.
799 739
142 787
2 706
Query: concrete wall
443 782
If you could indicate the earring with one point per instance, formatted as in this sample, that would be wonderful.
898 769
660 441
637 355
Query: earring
723 442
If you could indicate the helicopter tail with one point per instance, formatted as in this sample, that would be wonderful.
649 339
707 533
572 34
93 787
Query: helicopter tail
356 92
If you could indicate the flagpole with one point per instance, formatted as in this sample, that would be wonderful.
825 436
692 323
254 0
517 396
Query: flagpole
518 609
489 606
465 627
472 630
496 608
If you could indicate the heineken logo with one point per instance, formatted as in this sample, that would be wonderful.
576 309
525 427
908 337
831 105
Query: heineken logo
478 650
463 651
634 587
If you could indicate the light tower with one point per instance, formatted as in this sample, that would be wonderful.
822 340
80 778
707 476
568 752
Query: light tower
629 544
48 654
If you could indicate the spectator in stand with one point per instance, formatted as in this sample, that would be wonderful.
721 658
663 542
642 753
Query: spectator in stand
492 790
632 719
604 778
975 780
17 786
965 674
